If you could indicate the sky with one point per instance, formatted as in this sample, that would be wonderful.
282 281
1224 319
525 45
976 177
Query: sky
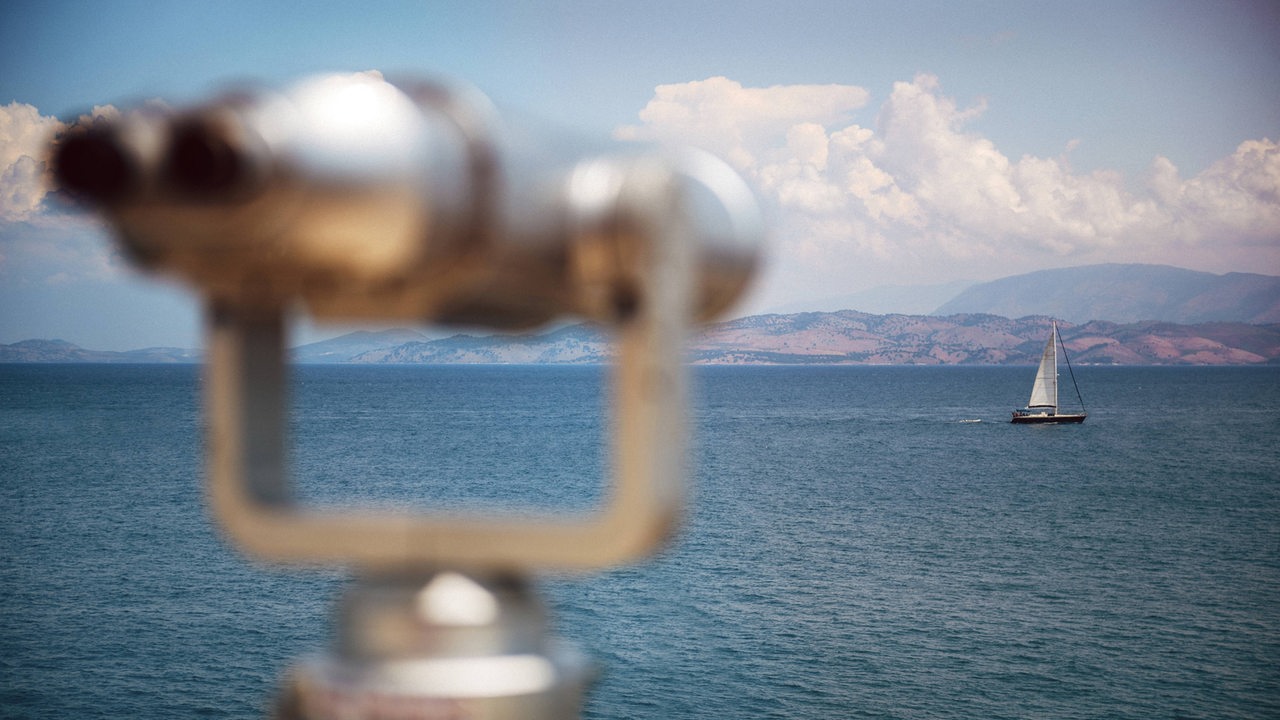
889 143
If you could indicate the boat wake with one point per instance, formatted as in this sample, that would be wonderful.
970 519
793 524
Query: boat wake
970 420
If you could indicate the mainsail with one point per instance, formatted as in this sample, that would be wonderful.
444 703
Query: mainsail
1044 393
1043 407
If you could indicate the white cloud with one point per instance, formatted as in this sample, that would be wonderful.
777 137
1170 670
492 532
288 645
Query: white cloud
919 198
39 244
735 122
1237 197
901 193
24 138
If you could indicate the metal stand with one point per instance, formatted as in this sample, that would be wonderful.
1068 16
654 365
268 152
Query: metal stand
439 622
442 645
420 205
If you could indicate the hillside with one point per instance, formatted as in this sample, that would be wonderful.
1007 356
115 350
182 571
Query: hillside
853 337
60 351
345 347
850 337
844 337
573 344
1126 294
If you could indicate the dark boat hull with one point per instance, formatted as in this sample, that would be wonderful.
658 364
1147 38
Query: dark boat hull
1044 419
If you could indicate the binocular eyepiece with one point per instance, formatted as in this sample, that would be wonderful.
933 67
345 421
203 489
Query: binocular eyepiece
365 199
99 166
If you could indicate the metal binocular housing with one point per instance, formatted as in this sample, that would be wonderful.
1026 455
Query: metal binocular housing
353 198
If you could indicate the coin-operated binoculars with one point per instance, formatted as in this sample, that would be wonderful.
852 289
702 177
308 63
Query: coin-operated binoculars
358 199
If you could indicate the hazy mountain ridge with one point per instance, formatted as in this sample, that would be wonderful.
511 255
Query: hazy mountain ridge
1235 320
61 351
573 344
844 337
851 337
345 347
1126 294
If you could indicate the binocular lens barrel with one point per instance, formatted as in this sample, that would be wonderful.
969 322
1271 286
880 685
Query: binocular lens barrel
93 165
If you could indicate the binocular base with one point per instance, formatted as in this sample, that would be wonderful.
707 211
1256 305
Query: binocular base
446 646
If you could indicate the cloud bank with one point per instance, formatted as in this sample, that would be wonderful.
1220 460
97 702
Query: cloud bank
24 138
41 243
914 197
900 193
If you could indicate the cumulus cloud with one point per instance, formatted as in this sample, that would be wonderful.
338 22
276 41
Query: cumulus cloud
1237 197
24 136
914 196
739 122
37 245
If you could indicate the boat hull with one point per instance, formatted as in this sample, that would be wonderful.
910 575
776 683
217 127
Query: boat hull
1046 419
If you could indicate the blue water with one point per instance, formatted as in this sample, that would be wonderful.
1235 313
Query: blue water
856 546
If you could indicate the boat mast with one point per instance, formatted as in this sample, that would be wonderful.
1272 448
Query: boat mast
1069 370
1054 341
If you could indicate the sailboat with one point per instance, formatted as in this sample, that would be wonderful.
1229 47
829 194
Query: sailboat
1043 407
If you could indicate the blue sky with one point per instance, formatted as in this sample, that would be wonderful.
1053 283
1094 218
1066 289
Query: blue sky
891 143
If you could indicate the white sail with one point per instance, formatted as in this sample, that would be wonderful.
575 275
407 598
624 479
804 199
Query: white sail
1044 393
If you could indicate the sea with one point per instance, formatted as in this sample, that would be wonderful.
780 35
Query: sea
858 542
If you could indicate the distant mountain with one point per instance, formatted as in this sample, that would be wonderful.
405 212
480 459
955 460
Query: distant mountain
844 337
60 351
1160 343
345 347
573 344
850 337
1126 294
860 338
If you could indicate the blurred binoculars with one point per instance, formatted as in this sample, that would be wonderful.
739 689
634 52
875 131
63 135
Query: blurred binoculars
368 200
354 198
